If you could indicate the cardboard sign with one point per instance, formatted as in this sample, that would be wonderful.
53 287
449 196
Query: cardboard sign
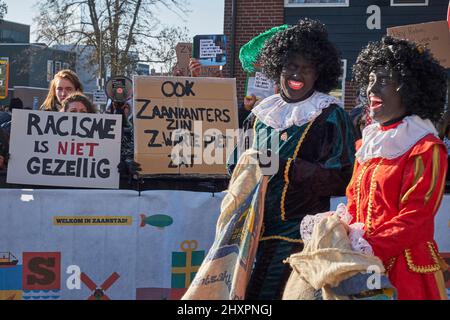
64 149
210 50
259 85
180 124
433 35
184 53
4 74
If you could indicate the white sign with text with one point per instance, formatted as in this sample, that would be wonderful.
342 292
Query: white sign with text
64 149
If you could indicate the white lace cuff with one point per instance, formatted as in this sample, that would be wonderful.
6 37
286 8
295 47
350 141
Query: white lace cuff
356 230
357 241
343 213
308 223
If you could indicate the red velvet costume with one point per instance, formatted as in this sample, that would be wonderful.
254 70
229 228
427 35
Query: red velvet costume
397 200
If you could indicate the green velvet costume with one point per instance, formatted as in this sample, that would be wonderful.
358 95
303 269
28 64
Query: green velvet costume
322 168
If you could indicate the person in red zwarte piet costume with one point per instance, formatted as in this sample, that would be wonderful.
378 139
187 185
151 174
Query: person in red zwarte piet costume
401 164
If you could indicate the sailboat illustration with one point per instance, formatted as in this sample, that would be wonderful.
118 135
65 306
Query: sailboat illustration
7 259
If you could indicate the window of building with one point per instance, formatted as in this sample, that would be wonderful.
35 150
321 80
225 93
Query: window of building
398 3
316 3
49 70
57 66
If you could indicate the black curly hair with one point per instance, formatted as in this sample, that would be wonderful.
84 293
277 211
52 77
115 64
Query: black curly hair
308 38
423 79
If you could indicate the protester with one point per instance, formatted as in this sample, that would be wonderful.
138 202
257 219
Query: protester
5 116
15 103
195 68
315 150
63 84
123 108
399 175
78 102
127 167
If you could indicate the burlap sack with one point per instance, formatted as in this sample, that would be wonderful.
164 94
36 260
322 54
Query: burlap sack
226 270
325 261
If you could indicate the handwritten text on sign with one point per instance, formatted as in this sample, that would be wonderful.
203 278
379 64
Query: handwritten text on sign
65 149
433 35
203 109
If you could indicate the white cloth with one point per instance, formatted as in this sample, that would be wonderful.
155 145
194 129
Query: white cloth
280 115
356 230
393 143
325 261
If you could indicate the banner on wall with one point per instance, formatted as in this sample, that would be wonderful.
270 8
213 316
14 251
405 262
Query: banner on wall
64 149
115 244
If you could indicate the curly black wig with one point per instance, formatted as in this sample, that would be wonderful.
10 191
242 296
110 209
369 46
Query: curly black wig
308 38
424 81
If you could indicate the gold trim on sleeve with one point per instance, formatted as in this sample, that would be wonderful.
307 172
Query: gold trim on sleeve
373 186
441 193
434 173
358 191
390 264
427 268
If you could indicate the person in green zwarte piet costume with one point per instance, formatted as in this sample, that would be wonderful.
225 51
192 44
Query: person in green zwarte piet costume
315 138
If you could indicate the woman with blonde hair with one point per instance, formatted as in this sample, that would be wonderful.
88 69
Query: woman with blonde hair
63 84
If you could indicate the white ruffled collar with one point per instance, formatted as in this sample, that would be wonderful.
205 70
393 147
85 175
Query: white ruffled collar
395 142
273 111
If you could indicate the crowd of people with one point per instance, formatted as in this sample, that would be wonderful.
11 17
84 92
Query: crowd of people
389 155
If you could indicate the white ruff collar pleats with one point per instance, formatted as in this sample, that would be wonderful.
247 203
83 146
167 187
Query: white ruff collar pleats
273 111
395 142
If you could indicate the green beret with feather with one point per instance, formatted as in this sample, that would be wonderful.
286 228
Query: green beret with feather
249 53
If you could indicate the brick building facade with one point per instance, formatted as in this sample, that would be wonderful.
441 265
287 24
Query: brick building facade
252 17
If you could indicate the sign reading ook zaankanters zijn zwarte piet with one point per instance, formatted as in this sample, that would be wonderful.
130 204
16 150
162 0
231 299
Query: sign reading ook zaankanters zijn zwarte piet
184 125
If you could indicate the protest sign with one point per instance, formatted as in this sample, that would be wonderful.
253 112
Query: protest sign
64 149
433 35
180 124
259 85
184 53
4 73
210 50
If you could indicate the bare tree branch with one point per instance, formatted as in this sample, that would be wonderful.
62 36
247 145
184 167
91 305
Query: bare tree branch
3 9
122 32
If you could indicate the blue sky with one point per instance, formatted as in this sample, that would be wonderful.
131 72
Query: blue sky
206 16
